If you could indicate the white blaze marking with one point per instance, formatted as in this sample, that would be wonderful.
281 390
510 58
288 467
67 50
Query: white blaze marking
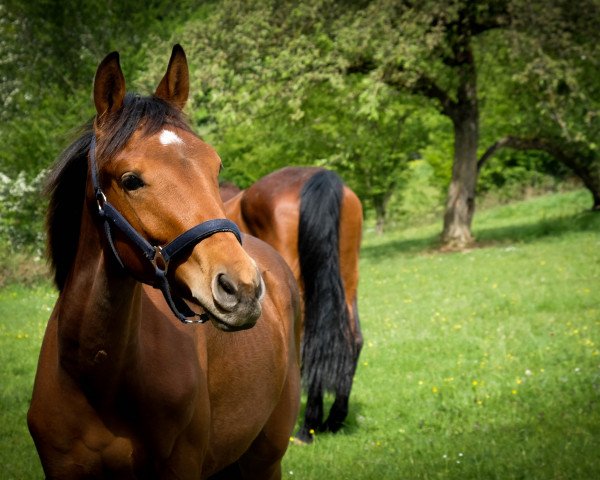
167 137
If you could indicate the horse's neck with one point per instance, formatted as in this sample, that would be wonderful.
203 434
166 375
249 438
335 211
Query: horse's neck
98 313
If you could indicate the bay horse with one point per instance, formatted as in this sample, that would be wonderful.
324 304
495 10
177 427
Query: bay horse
314 221
129 385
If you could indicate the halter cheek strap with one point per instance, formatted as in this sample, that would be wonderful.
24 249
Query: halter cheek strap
158 256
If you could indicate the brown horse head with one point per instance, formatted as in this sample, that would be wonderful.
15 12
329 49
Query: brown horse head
162 179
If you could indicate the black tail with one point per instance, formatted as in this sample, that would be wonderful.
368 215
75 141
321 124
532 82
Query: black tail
327 346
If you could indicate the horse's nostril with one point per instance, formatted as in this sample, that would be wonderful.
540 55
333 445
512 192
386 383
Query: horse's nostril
233 295
226 285
225 292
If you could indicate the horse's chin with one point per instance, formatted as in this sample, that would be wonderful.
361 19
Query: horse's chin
227 321
229 327
234 322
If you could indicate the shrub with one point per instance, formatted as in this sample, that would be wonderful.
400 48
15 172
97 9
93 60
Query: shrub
21 229
21 211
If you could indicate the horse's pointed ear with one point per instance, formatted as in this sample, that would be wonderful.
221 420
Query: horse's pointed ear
109 86
175 85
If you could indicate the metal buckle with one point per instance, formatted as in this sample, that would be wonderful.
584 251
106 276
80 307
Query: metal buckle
100 201
159 261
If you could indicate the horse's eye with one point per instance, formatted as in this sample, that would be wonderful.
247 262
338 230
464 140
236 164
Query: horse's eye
131 181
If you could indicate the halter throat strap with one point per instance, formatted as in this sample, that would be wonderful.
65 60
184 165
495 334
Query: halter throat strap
159 256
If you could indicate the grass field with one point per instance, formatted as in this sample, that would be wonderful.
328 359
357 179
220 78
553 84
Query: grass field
483 364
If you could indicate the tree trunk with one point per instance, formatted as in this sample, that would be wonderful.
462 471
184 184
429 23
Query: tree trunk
472 19
596 204
464 113
380 203
460 205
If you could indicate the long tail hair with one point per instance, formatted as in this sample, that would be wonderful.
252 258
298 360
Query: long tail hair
327 346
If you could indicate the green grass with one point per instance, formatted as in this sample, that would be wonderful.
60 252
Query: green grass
23 315
483 364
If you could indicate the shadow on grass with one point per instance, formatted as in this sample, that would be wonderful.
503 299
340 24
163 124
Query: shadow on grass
519 233
400 247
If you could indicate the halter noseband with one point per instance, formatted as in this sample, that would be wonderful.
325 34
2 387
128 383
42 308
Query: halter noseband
158 256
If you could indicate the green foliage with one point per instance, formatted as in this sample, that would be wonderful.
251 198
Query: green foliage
419 199
511 173
21 210
51 51
558 66
55 47
547 61
21 230
482 364
321 82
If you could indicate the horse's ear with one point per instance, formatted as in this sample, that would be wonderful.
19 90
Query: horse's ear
175 85
109 86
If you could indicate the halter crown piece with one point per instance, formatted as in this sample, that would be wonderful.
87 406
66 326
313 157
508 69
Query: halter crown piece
158 256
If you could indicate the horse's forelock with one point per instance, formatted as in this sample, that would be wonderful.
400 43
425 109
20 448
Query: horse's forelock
145 114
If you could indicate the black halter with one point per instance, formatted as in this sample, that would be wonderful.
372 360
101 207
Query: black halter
158 256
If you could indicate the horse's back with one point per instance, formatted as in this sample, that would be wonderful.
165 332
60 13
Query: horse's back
307 213
270 210
228 190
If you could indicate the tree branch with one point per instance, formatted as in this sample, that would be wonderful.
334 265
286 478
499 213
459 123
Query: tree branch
499 21
428 87
519 143
361 65
570 155
424 85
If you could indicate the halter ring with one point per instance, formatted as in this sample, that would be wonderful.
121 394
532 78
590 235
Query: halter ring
159 261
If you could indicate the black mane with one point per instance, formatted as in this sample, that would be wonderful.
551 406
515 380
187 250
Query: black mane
66 182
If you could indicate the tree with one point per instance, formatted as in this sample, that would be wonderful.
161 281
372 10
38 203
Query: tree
370 143
276 51
261 58
552 51
428 49
50 51
273 90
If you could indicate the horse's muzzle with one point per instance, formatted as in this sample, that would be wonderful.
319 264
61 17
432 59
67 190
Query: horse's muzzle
238 303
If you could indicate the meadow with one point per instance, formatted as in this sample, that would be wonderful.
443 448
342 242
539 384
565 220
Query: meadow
481 364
